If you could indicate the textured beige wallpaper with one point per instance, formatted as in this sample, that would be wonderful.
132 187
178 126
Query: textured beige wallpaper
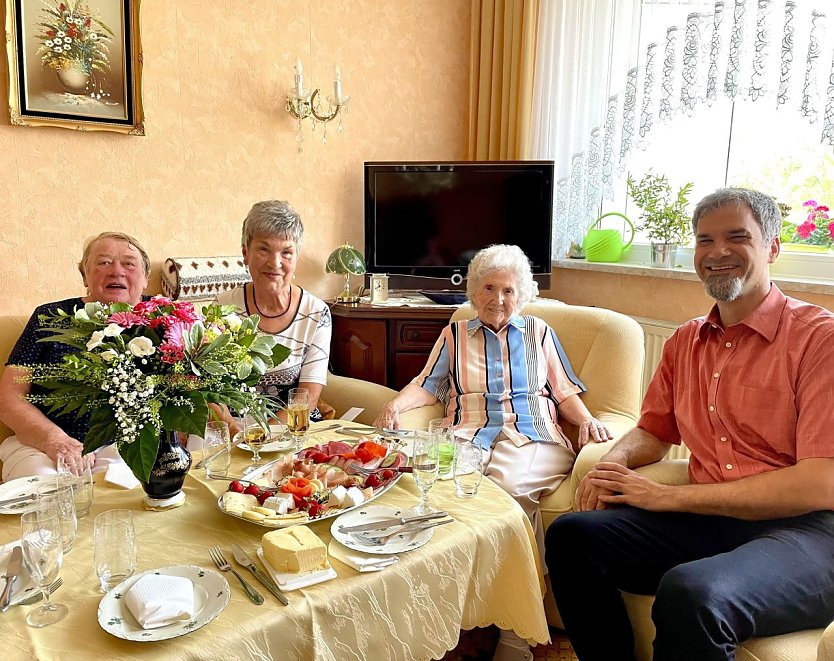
218 138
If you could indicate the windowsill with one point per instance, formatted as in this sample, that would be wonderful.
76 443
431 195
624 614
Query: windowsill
797 272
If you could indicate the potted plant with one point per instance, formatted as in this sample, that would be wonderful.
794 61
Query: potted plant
663 214
815 234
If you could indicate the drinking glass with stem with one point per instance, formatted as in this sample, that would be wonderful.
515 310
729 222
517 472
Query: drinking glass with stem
426 465
43 554
298 414
256 437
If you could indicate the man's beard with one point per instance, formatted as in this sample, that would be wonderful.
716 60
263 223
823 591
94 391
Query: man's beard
724 288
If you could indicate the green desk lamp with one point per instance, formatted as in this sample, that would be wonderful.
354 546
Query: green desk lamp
346 260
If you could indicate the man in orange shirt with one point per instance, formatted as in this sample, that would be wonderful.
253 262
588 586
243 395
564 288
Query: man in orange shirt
747 548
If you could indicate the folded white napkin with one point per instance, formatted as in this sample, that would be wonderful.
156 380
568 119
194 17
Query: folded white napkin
121 475
362 562
156 600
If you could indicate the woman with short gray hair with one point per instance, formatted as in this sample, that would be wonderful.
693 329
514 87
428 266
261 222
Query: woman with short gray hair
271 242
505 381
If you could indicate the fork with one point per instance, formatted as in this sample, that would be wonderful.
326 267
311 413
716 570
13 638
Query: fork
369 471
384 539
35 598
217 558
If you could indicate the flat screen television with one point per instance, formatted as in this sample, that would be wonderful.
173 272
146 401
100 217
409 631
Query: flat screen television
425 221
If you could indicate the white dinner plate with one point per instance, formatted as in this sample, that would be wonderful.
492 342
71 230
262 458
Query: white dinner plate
22 486
282 444
406 541
211 594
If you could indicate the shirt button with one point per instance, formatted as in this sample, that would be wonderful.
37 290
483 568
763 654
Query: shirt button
728 345
715 376
723 439
711 408
729 467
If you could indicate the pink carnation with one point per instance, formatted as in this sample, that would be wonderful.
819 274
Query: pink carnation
184 311
831 230
145 307
809 203
162 301
127 319
805 229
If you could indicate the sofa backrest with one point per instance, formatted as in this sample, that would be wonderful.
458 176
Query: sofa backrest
10 329
605 349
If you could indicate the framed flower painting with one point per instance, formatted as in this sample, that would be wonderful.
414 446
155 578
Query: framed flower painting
75 64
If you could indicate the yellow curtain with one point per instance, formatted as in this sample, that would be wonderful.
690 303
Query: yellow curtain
501 78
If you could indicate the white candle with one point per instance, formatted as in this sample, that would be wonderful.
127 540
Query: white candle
337 85
298 65
299 80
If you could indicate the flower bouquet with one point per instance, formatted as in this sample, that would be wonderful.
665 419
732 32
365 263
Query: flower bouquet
153 367
816 230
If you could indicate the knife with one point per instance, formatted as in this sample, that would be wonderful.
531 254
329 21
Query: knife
245 561
365 431
12 570
394 521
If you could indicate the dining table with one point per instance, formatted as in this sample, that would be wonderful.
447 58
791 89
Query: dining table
480 570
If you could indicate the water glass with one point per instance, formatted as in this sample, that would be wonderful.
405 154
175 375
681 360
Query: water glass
217 449
82 486
468 469
444 432
43 554
298 413
425 465
114 547
57 499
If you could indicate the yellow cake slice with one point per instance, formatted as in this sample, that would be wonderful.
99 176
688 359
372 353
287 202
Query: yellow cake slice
295 549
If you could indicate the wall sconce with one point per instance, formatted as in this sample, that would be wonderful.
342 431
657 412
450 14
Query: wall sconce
301 103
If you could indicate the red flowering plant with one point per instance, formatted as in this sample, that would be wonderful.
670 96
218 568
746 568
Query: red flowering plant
152 367
816 230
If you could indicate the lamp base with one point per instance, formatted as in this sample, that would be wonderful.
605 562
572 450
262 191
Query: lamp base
347 298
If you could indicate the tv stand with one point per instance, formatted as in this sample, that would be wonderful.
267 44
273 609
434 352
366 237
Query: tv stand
385 344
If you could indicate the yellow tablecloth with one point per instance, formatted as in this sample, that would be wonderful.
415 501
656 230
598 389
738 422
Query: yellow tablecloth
478 571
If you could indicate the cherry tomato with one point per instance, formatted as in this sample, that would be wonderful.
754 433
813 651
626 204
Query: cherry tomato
253 489
315 509
236 486
362 454
386 475
372 481
266 493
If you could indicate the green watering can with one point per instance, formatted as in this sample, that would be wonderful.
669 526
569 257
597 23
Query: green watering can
606 245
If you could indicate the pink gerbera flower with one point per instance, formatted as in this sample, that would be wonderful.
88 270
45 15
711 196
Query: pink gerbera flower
805 229
831 230
127 319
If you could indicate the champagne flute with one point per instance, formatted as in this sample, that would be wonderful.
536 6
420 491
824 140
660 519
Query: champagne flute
426 462
256 437
43 553
298 414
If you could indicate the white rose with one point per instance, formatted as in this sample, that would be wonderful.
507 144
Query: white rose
141 346
112 330
108 355
81 315
233 321
95 339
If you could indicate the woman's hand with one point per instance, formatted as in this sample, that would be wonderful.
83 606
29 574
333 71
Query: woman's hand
71 450
388 417
592 430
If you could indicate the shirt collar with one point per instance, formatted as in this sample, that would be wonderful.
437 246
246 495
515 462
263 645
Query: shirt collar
474 324
764 319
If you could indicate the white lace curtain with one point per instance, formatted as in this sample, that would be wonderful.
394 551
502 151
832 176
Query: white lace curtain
602 84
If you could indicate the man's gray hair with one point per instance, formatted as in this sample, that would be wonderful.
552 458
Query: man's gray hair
272 218
510 259
762 206
118 236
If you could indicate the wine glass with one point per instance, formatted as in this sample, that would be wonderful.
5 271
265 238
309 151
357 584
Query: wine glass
426 464
298 413
57 498
256 437
43 553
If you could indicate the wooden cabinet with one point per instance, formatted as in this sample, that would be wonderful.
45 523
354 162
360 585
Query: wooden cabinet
387 345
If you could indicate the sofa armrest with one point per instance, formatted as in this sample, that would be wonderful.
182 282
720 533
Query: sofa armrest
825 649
343 392
419 418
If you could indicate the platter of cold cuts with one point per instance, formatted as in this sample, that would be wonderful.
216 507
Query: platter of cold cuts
318 482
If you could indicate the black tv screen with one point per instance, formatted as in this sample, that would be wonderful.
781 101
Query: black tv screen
425 221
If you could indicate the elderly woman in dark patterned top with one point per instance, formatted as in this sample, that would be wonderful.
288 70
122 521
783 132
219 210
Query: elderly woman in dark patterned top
271 242
114 268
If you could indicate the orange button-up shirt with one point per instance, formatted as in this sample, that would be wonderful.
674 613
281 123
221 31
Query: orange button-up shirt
753 397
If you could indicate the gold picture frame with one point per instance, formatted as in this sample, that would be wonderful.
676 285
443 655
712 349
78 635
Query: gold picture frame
75 64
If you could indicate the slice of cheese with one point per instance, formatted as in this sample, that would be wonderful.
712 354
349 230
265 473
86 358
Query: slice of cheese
353 497
280 503
295 549
337 496
237 503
